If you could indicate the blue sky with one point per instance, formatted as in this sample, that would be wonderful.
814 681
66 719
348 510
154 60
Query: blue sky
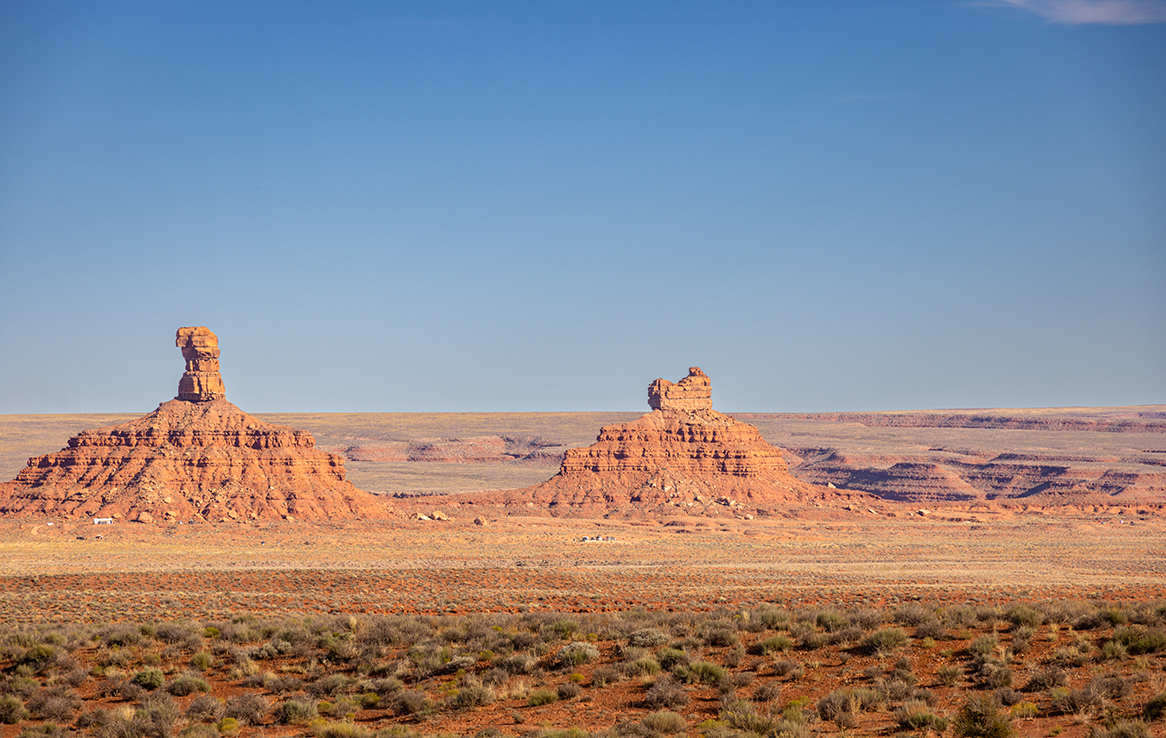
525 206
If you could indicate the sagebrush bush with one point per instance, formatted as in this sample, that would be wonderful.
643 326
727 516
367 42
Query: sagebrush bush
981 718
666 692
668 723
1156 707
885 640
12 710
647 638
917 715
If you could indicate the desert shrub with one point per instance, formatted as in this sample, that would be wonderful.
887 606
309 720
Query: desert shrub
568 690
204 707
721 635
767 693
404 731
1112 651
885 640
792 669
388 685
771 618
894 689
666 692
647 638
202 661
917 715
412 702
981 718
1024 710
1122 729
157 715
701 671
245 708
21 686
1110 686
473 694
45 730
149 678
645 666
1047 678
1069 701
176 633
120 636
605 675
994 676
836 703
342 730
949 674
542 697
743 715
565 627
56 704
932 629
912 613
519 663
773 644
670 657
1021 614
983 645
832 621
1140 641
668 723
1006 696
579 652
1069 656
12 710
1156 707
867 618
328 685
294 712
187 684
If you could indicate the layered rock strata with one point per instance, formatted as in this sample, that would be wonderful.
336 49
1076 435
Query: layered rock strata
202 381
683 457
197 457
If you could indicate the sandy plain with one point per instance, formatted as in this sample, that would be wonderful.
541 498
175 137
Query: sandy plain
674 574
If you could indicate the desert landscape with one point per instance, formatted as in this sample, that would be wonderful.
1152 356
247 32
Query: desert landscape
903 605
198 571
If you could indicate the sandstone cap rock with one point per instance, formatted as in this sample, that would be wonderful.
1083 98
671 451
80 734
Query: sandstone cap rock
202 381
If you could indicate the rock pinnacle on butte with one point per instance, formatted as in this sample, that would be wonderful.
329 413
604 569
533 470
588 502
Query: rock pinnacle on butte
683 457
197 457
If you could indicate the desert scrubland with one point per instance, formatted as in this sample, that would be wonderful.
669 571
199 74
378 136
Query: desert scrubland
1038 615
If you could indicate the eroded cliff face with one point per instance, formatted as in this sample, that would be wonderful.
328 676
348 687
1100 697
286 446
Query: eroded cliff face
197 457
1044 456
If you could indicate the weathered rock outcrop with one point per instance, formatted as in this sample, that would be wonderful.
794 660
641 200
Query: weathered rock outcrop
683 457
1049 456
197 457
202 381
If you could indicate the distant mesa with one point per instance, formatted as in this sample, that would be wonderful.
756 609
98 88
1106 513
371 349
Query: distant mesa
682 457
197 457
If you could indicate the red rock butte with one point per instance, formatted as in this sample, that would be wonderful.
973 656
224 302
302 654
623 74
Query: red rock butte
682 457
197 457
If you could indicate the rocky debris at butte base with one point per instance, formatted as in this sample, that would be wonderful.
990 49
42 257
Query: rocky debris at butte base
681 458
195 458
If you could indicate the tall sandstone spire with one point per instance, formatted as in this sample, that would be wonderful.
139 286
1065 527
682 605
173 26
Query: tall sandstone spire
197 457
201 382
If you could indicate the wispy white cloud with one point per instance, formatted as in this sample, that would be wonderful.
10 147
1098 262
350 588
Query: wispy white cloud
1081 12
